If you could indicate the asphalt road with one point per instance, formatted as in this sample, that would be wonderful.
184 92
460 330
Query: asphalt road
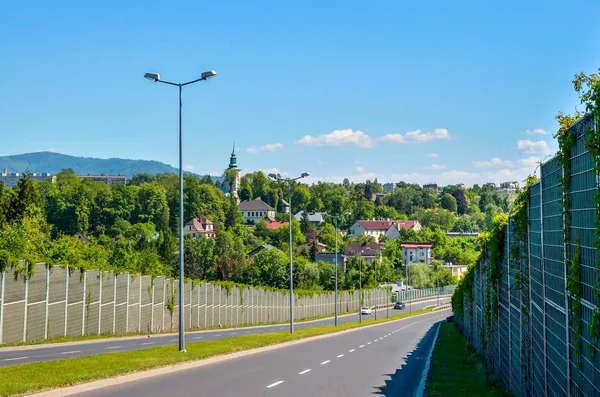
35 353
385 360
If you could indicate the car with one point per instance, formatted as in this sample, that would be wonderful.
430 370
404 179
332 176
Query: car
365 310
399 305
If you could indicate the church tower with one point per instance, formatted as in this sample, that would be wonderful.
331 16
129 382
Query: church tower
233 173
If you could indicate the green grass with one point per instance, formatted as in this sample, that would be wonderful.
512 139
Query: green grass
27 378
456 369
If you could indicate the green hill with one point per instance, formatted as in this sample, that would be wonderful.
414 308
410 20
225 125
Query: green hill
55 162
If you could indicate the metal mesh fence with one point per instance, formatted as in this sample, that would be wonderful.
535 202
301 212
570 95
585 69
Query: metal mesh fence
530 343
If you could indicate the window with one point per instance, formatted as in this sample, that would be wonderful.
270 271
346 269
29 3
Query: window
422 253
194 234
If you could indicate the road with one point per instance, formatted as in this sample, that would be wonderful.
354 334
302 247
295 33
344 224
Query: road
35 353
384 360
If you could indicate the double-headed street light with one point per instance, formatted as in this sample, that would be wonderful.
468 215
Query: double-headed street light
156 78
335 222
278 178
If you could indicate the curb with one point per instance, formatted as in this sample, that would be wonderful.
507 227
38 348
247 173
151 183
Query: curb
421 388
165 334
99 384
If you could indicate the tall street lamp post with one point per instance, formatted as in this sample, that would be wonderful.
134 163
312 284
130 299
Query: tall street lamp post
156 78
278 178
335 222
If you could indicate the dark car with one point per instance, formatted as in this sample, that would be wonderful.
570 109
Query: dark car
399 305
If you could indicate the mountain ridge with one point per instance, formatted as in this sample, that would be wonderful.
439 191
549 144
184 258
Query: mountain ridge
53 162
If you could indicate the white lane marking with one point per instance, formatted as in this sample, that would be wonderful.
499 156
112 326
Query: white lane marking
113 347
247 332
15 358
72 352
341 355
361 346
173 340
198 337
275 384
350 351
234 333
375 340
368 343
325 362
303 372
147 343
218 335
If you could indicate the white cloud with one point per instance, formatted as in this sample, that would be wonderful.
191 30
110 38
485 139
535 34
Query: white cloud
417 136
189 167
275 171
360 169
495 162
432 155
536 131
49 150
269 147
529 162
436 167
533 147
338 138
216 173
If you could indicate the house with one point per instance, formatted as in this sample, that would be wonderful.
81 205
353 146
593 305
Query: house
199 227
272 224
369 251
321 248
509 187
329 257
316 218
12 179
389 187
110 180
387 227
457 270
394 231
82 238
416 252
258 249
286 206
255 210
433 186
462 234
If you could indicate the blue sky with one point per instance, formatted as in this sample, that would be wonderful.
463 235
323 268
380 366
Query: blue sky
430 91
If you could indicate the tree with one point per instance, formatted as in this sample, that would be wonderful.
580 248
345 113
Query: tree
418 274
233 215
229 253
199 258
27 196
448 202
151 206
461 201
272 266
305 225
313 251
436 218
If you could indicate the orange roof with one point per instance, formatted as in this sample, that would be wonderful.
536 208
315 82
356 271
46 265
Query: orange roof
416 245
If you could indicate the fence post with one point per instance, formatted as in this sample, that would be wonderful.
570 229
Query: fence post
67 300
114 327
163 303
152 305
47 299
140 305
100 303
127 304
84 303
2 305
26 310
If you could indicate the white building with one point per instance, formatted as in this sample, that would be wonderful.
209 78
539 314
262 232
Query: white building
416 252
378 228
11 179
199 227
316 218
255 210
388 187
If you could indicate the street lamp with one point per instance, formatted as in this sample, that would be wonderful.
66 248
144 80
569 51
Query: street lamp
335 222
278 178
156 78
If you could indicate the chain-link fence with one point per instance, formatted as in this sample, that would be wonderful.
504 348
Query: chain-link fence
530 342
57 302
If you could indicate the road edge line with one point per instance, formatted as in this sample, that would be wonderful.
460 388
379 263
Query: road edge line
121 379
421 388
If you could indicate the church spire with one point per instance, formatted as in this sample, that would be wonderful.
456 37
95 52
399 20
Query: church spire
233 159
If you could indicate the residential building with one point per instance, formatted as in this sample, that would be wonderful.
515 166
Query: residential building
433 186
321 248
369 251
82 238
255 210
272 224
462 234
199 227
11 179
286 206
509 187
329 257
458 271
461 186
387 227
256 250
316 218
389 187
416 252
394 231
110 180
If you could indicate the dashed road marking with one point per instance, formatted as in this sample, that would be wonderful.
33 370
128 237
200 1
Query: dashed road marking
325 362
147 343
341 355
361 346
275 384
71 352
350 351
218 334
304 372
197 337
368 343
113 347
173 340
15 358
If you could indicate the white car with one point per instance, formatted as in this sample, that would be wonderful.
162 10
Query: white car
365 310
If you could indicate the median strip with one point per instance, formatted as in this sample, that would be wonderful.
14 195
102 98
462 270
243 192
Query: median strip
27 378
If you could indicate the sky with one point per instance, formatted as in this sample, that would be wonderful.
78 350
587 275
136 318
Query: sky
428 91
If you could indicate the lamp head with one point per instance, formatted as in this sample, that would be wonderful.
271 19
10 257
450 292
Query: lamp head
207 75
152 76
304 175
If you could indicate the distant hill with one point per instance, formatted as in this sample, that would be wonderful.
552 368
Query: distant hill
55 162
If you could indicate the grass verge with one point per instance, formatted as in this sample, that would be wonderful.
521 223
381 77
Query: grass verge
456 368
27 378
